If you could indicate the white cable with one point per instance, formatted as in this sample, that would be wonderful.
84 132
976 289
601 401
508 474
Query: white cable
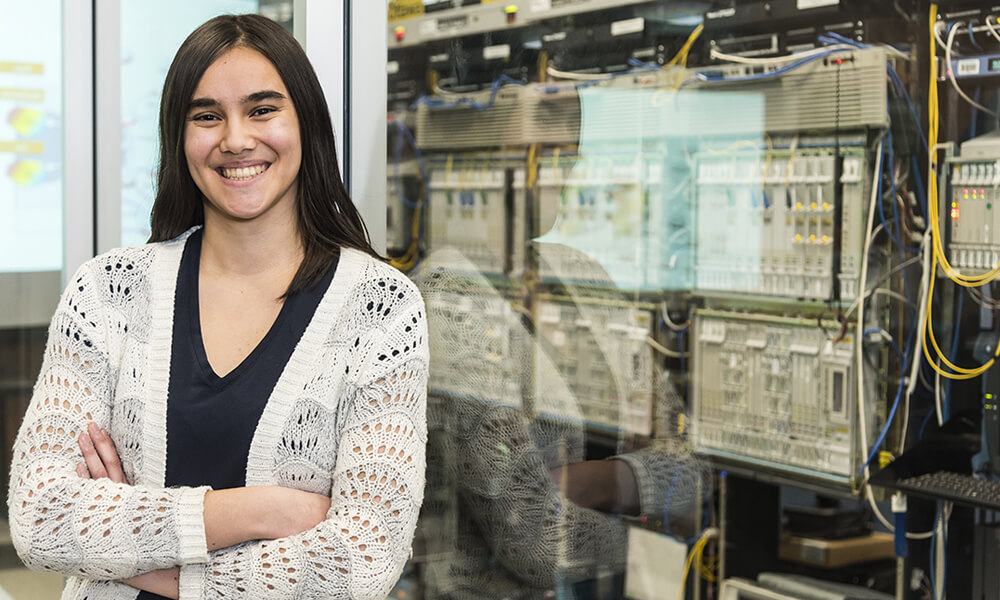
780 60
937 33
951 75
940 545
554 72
938 408
858 342
859 348
664 350
993 31
890 293
885 522
918 347
678 327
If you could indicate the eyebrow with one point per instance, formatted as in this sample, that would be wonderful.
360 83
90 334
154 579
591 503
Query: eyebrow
248 99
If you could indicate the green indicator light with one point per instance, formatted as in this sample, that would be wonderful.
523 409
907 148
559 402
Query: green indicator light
989 396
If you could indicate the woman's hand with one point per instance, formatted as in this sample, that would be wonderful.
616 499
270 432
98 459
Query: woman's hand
100 456
101 461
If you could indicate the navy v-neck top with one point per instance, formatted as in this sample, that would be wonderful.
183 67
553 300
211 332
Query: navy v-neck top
210 419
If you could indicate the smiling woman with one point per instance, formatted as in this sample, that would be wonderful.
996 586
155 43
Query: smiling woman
242 139
236 409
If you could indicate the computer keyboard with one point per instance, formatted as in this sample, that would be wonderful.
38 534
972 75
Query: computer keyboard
955 487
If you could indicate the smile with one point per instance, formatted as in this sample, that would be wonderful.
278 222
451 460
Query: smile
242 173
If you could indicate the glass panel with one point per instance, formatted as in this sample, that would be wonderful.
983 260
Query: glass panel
31 138
642 230
31 228
146 54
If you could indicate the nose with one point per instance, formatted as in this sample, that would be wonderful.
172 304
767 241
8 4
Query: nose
237 136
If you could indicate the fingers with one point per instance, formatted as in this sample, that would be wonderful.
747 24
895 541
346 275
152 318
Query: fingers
91 458
81 471
100 455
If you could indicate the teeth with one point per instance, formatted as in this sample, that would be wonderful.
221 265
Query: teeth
243 173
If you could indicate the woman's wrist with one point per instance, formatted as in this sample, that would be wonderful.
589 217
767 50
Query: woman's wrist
238 515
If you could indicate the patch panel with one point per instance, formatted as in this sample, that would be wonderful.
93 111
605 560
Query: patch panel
477 206
775 390
767 222
592 364
973 214
616 211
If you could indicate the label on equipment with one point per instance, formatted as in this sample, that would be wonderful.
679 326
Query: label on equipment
628 26
392 67
541 5
400 10
967 66
495 52
725 13
807 4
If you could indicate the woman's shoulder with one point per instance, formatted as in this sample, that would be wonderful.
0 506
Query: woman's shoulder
122 273
132 259
371 271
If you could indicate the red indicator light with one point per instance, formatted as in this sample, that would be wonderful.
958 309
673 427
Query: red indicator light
954 211
400 33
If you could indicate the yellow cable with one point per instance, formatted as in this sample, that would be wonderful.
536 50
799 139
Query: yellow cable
682 54
960 372
938 255
698 548
767 162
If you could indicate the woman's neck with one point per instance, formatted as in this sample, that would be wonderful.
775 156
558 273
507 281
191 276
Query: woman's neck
251 249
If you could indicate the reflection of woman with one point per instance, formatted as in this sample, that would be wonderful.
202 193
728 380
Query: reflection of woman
513 510
262 377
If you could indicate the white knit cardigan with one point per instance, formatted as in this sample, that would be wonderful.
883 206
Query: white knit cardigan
346 418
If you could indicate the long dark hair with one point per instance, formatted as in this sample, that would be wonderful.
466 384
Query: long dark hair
327 219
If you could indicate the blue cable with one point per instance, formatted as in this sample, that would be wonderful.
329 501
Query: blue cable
642 66
904 360
881 208
498 83
921 194
897 83
703 75
972 38
923 425
420 161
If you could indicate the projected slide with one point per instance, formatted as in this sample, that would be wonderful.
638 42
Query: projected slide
31 191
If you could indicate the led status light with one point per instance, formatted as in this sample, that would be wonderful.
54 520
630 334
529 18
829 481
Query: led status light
954 211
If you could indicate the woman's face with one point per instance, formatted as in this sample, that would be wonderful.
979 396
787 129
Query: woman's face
241 139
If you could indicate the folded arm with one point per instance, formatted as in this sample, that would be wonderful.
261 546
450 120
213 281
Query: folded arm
359 549
97 529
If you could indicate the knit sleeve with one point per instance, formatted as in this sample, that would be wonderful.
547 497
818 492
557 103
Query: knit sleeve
59 522
670 483
359 551
534 531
